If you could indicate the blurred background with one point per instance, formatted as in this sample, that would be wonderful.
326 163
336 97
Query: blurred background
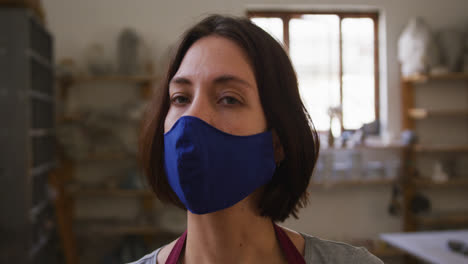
385 82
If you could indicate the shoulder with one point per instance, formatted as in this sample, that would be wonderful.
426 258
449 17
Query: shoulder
324 251
158 256
296 238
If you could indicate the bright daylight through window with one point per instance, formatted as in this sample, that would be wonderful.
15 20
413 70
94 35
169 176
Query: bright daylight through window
335 57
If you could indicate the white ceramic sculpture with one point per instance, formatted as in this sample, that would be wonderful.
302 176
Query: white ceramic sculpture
417 51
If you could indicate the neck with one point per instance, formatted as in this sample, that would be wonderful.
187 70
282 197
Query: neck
233 235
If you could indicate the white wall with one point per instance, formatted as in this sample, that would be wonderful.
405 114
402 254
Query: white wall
77 24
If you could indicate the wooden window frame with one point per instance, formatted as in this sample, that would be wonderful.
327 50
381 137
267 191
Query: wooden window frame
286 16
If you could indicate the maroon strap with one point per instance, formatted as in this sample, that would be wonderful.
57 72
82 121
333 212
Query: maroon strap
177 249
290 251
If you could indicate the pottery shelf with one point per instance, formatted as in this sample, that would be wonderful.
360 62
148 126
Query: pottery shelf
84 192
382 147
144 82
369 147
412 183
421 113
443 219
139 79
460 182
103 157
144 86
106 157
338 183
440 148
70 118
421 78
321 180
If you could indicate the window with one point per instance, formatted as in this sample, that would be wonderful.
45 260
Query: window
335 56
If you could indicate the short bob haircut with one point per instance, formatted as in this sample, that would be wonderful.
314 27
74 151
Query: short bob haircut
277 84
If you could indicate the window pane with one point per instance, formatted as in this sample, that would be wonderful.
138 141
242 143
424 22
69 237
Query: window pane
358 72
314 51
272 25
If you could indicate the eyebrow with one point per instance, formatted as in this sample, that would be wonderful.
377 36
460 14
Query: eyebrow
231 78
225 78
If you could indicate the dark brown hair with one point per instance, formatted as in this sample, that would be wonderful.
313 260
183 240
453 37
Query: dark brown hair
282 105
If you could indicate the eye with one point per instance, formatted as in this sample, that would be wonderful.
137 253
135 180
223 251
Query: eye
180 100
229 100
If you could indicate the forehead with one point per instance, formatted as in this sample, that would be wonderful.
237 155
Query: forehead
213 55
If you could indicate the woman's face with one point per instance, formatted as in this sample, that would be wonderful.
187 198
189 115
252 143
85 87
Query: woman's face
216 83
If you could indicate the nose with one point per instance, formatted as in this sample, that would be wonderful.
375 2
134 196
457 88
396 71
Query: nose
202 108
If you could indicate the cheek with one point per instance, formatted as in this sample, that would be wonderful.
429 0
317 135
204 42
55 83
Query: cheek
255 121
244 124
171 118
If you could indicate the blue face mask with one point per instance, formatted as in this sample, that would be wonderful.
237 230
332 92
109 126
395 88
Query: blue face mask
211 170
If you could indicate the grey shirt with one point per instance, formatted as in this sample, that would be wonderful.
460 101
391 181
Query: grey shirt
317 251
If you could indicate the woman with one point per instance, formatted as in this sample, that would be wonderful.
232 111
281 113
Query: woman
230 141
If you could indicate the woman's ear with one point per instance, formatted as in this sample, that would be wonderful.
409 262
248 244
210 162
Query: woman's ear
278 148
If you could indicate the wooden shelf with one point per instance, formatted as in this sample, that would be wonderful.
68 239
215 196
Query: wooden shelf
367 148
99 225
362 182
421 113
106 157
82 192
70 118
440 148
444 219
119 78
461 181
412 184
381 147
421 78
